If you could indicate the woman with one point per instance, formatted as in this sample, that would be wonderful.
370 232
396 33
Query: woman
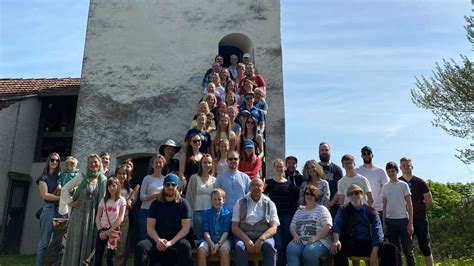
225 76
313 174
89 191
202 108
216 79
240 73
309 228
250 132
189 161
357 229
221 110
149 191
231 100
47 183
199 190
230 87
249 161
279 190
232 112
224 131
220 163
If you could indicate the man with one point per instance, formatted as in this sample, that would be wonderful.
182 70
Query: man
254 222
255 112
168 223
105 158
235 183
256 79
351 177
332 174
398 214
421 199
216 68
376 176
291 173
169 149
234 60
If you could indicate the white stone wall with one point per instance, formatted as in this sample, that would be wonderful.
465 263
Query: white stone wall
144 62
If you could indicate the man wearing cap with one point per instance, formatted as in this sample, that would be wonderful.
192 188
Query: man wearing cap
168 223
421 199
235 183
376 176
332 174
363 236
254 223
255 112
169 149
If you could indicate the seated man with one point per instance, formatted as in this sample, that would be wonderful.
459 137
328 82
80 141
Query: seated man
168 223
254 222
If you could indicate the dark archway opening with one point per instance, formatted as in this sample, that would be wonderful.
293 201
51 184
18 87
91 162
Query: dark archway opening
234 43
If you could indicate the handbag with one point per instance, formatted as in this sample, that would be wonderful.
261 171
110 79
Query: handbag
114 237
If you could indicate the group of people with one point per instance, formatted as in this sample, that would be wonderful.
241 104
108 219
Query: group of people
214 197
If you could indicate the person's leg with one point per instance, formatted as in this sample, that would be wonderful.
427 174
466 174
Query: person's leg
394 231
184 252
313 252
423 236
240 253
224 253
99 250
142 224
285 238
269 252
46 230
202 252
407 244
142 250
110 257
293 253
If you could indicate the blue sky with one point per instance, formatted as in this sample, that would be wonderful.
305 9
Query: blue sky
348 70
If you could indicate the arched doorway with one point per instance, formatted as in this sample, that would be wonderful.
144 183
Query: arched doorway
235 43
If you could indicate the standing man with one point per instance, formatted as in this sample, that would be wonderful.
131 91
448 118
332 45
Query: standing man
421 199
291 173
234 60
332 174
168 223
398 214
169 149
376 176
235 183
254 223
351 177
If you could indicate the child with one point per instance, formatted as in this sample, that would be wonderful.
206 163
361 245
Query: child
216 237
110 215
69 173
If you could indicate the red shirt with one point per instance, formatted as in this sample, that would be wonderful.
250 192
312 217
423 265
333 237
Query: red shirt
257 79
250 169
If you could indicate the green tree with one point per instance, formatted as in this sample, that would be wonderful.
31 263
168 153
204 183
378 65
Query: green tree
449 94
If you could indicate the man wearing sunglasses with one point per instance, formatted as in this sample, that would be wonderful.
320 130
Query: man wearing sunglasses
168 224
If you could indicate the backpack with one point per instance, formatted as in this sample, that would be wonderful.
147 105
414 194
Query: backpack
388 255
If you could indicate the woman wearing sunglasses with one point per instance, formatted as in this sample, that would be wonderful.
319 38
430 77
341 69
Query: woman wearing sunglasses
189 161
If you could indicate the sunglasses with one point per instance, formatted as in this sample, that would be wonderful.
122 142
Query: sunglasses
309 194
366 154
233 159
250 122
196 141
355 193
249 98
54 160
170 185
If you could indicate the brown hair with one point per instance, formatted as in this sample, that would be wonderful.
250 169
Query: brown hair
314 191
347 157
116 196
319 170
200 170
177 195
46 166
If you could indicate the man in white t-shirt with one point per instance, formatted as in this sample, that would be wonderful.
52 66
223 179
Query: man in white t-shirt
376 176
398 214
351 177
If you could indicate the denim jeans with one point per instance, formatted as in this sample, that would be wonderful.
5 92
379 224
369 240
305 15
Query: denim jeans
142 224
268 250
179 253
197 224
396 233
49 211
282 237
310 253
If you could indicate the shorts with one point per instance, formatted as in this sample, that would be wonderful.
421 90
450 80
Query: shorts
204 245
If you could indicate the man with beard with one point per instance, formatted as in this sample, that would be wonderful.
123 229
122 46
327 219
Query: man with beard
168 223
332 174
376 176
295 178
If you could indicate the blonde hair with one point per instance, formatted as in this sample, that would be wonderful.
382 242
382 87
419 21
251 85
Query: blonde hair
71 161
218 191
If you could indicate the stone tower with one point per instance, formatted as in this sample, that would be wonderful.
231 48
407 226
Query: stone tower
144 62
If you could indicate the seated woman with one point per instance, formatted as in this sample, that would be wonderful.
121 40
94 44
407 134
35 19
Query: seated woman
216 236
357 229
313 174
309 228
250 163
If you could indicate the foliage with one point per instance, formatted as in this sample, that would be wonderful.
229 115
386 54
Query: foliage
450 217
449 94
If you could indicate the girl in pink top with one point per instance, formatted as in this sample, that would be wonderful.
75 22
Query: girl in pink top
110 215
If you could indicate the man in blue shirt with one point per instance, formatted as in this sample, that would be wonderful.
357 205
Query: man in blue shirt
235 183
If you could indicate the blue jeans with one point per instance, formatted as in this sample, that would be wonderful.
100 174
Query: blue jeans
197 224
268 249
282 237
142 224
46 230
310 253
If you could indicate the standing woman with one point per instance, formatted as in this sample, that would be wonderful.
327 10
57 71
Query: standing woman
149 191
199 191
250 132
90 190
220 163
278 189
189 161
313 174
224 131
47 187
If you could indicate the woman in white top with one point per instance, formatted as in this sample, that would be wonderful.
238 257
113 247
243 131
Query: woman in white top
220 163
199 191
149 190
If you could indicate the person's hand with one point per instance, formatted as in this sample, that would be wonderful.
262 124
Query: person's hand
129 204
169 243
336 247
161 244
313 239
410 229
250 246
102 235
75 204
214 247
373 257
182 184
258 246
297 240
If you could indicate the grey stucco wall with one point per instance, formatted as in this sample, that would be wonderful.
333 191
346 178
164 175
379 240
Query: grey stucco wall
144 62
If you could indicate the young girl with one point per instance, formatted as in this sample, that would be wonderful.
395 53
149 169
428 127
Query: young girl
110 215
220 163
224 131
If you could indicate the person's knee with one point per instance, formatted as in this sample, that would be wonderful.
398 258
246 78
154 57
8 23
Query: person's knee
239 246
224 253
268 247
202 252
425 250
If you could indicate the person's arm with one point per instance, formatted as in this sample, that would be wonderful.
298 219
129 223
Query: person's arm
43 190
322 233
260 146
428 199
334 200
409 204
370 199
150 229
384 213
120 218
100 211
182 166
256 168
301 194
239 233
294 234
185 227
191 191
326 194
66 198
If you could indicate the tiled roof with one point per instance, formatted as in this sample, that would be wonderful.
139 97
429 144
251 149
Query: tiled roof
22 87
